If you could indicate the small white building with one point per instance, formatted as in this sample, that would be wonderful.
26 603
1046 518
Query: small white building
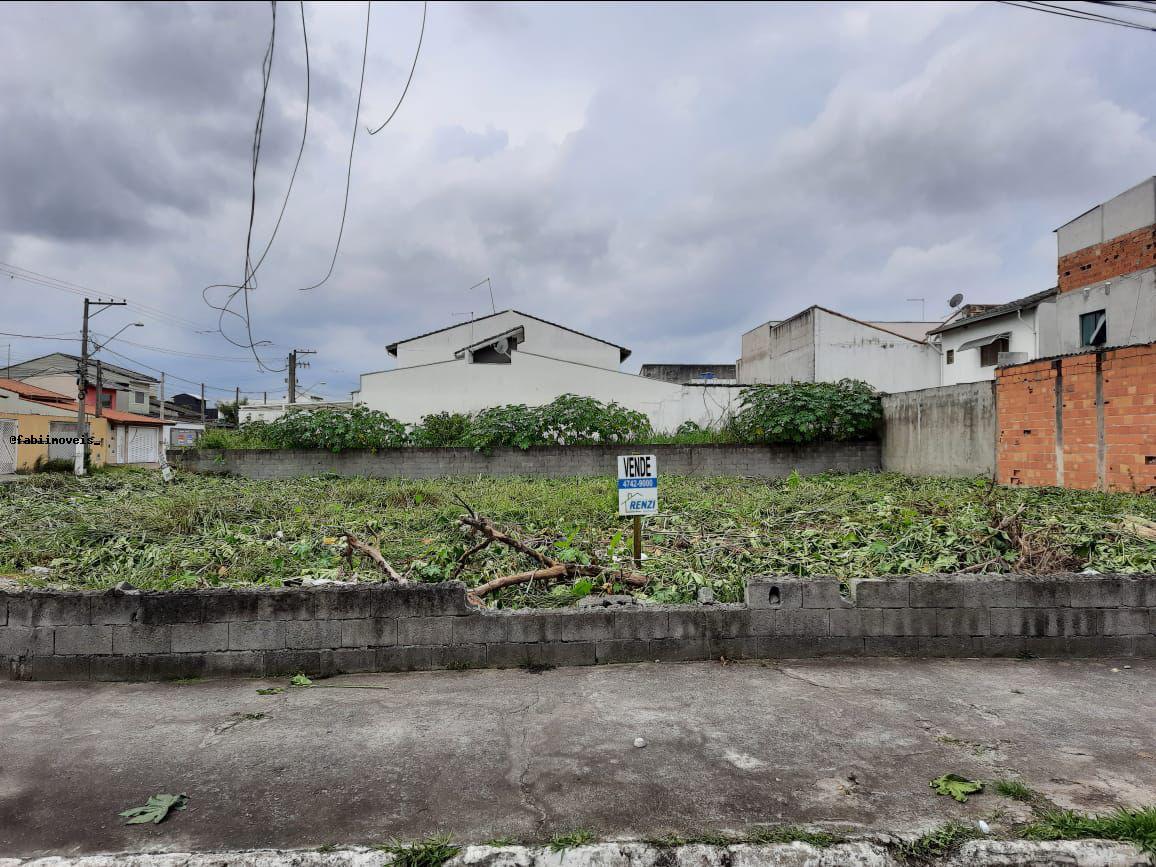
273 410
512 357
821 345
972 345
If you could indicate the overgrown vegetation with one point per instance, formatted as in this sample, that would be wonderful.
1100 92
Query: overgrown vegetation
431 852
807 412
1015 790
1128 826
203 531
940 842
579 837
798 413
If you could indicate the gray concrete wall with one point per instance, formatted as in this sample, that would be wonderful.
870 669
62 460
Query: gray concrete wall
1131 210
946 431
389 627
549 462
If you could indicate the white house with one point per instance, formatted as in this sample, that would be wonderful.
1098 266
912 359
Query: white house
271 411
971 345
513 357
821 345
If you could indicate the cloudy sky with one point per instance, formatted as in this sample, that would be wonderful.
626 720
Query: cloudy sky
663 176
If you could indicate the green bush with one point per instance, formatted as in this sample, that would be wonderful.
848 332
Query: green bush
249 436
515 425
807 412
334 429
571 420
442 430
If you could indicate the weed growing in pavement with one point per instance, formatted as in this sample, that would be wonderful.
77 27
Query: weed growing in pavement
430 852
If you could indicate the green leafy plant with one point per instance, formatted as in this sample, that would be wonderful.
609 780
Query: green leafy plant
442 429
1136 826
513 425
300 679
155 810
272 690
956 786
334 429
431 852
569 840
807 412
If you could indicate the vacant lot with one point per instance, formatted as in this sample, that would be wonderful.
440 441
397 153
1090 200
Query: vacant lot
201 531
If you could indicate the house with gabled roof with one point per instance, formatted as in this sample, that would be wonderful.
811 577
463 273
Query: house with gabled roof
514 357
823 345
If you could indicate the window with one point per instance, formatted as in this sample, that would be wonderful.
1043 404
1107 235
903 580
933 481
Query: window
106 400
989 355
137 397
951 356
1093 328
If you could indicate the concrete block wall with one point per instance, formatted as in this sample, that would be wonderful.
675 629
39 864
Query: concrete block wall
548 462
387 627
947 431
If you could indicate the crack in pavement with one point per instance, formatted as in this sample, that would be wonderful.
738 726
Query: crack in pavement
524 789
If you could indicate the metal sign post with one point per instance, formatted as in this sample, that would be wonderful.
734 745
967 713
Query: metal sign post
637 493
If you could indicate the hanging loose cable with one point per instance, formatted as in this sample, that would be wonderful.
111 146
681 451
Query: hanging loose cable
349 164
408 81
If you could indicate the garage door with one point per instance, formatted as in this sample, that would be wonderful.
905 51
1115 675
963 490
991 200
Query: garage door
141 445
8 430
62 451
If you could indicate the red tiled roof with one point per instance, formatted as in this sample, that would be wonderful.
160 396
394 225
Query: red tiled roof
114 415
33 391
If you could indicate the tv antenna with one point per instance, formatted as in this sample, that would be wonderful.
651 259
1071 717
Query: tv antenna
486 282
922 307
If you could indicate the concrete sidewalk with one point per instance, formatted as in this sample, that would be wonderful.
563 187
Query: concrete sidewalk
489 754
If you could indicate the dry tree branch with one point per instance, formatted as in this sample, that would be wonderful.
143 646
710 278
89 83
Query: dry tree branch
352 543
552 570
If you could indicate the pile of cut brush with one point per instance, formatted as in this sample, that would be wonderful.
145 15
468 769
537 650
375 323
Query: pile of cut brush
550 570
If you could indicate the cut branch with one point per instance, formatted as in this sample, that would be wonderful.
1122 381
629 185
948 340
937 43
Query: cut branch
552 570
352 543
486 527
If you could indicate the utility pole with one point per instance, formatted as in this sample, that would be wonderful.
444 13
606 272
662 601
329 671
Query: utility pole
293 364
162 395
82 386
237 406
202 404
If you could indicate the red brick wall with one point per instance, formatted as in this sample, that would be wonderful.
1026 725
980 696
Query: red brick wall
1124 458
1123 255
1026 408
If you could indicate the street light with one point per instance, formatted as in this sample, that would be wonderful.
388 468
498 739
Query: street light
97 347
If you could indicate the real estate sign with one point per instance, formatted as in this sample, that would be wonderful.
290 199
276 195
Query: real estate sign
637 484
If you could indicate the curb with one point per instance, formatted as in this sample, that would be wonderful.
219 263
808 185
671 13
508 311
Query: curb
975 853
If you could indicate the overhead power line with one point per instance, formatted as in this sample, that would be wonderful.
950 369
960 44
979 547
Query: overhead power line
39 279
349 164
409 80
1079 14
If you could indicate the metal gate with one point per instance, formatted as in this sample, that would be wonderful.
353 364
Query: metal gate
9 429
62 451
141 445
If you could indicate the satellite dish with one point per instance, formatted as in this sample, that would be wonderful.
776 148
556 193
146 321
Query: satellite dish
956 300
502 346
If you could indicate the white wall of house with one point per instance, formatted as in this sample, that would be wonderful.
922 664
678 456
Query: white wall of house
846 349
966 366
274 411
541 337
410 393
820 346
